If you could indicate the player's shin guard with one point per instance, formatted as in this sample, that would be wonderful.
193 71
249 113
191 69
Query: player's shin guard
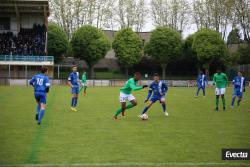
233 100
85 88
164 107
145 110
41 114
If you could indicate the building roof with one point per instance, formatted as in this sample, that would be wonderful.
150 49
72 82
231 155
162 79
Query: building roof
24 6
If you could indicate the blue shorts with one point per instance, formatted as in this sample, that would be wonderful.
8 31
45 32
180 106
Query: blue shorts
75 90
201 87
155 98
237 92
40 97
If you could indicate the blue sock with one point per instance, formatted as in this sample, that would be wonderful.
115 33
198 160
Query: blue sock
75 102
164 107
40 116
145 110
37 108
233 99
198 91
72 101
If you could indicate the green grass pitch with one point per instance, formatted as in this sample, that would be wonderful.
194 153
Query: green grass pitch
193 134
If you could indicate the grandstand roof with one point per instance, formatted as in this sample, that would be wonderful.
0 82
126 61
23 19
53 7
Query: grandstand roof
24 6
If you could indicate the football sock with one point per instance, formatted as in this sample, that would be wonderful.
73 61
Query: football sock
217 101
238 102
204 92
233 99
164 107
145 110
75 102
72 101
85 88
40 116
197 93
130 105
37 108
223 101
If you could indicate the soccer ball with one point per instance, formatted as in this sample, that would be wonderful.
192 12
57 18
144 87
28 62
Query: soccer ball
144 116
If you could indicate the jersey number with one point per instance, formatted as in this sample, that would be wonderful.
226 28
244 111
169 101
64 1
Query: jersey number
39 81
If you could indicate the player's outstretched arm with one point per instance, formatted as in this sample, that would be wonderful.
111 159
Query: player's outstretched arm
134 87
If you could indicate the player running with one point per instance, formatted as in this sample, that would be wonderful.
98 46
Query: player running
239 87
125 94
159 90
201 83
74 83
41 84
220 81
84 82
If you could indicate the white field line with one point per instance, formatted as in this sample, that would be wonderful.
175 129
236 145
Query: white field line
240 164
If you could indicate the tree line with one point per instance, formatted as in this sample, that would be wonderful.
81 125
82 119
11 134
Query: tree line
89 43
219 15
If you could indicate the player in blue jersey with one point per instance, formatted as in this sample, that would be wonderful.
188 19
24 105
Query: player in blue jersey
74 83
41 84
201 83
159 90
239 87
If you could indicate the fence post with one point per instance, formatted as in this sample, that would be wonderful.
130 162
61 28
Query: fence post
9 70
58 71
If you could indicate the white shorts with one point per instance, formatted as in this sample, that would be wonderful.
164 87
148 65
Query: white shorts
84 84
124 97
220 91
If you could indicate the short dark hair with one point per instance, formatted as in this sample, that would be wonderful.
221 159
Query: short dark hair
156 75
44 70
137 73
74 66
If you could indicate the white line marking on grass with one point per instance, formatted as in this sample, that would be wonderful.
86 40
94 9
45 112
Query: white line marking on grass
130 164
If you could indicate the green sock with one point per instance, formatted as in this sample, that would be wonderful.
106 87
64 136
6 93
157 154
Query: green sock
85 87
223 101
120 110
217 102
130 105
80 89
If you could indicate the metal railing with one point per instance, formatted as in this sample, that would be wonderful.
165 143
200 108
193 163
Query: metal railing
26 58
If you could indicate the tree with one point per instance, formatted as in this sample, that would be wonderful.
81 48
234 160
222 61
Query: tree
58 43
234 37
209 47
90 44
164 44
127 47
244 54
172 13
188 52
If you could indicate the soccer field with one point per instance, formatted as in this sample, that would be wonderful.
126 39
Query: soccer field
193 134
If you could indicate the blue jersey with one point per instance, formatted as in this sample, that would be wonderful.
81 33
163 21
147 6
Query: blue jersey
239 83
74 79
159 89
40 83
202 80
